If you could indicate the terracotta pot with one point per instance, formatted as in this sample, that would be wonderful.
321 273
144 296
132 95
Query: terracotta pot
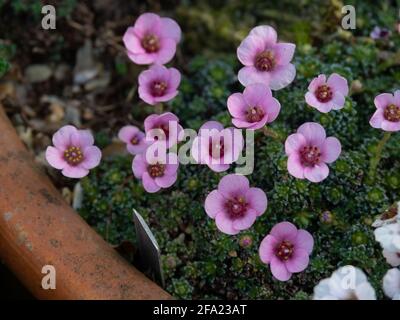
38 228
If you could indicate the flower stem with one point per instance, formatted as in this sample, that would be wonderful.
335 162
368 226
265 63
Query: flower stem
377 156
159 107
273 134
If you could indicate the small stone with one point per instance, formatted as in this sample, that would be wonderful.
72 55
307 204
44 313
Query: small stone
62 71
77 196
85 68
38 73
98 83
73 115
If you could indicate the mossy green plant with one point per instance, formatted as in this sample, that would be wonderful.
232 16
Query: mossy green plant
201 262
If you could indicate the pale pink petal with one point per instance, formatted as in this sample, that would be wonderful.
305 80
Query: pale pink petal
282 76
383 100
170 29
166 97
284 52
218 167
92 157
393 258
246 221
55 158
259 124
304 240
316 82
249 48
338 83
75 172
151 122
174 79
196 150
284 231
316 173
166 52
298 261
211 125
139 166
142 58
273 108
214 203
255 93
242 124
233 185
390 126
146 23
267 248
138 148
313 132
294 166
149 184
279 270
127 133
331 149
237 105
257 200
312 101
338 101
82 138
225 224
172 164
166 180
294 143
377 119
146 97
132 42
62 138
249 75
267 33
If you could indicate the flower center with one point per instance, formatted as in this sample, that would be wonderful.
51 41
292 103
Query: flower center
324 93
134 140
310 156
254 114
236 207
392 113
216 150
158 88
150 43
285 250
265 61
156 170
73 155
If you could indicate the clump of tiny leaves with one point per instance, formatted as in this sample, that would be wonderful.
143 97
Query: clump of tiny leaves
201 262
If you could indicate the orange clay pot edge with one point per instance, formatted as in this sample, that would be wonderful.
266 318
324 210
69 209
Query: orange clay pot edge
38 228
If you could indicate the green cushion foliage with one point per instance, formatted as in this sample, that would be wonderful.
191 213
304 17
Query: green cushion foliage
201 262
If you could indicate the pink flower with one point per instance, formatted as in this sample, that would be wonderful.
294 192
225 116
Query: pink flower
158 84
254 108
327 95
387 115
265 60
217 147
155 173
309 150
73 152
134 139
286 249
234 205
163 127
152 39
